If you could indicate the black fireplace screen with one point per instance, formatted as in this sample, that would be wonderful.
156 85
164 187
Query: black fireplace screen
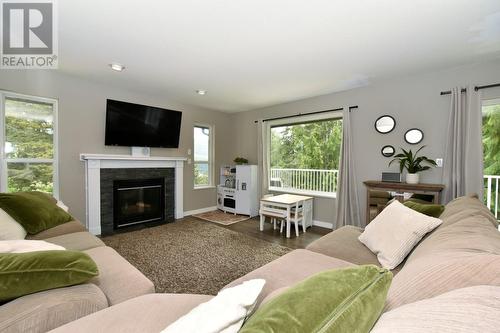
138 201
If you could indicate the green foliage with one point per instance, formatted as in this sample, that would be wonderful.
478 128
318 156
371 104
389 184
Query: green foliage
314 145
201 174
29 131
491 139
409 161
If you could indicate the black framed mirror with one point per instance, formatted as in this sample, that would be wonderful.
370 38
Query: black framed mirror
385 124
388 151
414 136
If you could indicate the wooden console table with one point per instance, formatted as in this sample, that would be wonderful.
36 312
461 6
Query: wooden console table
400 188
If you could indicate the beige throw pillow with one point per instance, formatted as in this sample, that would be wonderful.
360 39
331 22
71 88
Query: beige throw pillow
394 233
10 228
473 309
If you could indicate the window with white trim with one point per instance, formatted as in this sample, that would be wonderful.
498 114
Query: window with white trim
28 141
304 154
203 155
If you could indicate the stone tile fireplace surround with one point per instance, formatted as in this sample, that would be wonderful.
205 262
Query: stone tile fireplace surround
101 170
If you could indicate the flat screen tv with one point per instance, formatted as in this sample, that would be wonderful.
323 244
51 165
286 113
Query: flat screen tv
136 125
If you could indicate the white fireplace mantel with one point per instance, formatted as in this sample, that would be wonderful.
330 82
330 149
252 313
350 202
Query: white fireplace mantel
95 162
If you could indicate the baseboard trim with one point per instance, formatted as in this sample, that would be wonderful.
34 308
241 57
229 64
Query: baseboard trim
322 224
199 211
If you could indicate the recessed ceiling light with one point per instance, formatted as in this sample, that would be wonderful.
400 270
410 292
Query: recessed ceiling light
201 92
117 67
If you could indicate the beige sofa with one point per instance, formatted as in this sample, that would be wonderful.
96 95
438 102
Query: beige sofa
464 251
118 281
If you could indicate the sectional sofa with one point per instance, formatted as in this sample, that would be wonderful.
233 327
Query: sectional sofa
463 251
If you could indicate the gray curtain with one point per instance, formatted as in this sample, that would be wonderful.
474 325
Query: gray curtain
463 158
263 172
347 202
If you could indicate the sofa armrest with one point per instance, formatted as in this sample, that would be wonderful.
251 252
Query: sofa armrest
46 310
62 229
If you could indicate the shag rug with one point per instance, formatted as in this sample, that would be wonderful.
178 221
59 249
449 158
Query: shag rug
192 256
220 217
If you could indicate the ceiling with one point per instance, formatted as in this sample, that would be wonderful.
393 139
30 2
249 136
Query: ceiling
249 54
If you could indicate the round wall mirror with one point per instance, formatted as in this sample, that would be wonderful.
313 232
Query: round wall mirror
385 124
414 136
388 151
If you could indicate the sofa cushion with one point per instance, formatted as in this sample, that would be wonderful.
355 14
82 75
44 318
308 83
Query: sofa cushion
62 229
49 309
433 275
148 313
77 241
289 269
340 300
35 211
118 279
473 309
10 228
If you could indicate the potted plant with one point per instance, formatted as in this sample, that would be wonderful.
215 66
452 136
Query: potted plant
413 164
240 160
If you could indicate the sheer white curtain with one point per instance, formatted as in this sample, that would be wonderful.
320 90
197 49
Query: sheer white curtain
262 156
463 159
347 202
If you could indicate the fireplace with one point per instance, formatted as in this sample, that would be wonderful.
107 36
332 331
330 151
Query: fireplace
138 201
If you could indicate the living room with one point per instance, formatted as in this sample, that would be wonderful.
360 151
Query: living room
244 75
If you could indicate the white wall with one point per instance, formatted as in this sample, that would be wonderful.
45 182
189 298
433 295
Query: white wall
82 107
413 101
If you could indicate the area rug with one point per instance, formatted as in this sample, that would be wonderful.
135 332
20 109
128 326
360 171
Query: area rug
218 216
192 256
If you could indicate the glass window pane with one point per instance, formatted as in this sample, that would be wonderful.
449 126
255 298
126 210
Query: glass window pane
201 174
491 154
30 177
201 143
29 129
305 156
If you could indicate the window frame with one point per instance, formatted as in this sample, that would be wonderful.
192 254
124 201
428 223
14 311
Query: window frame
333 115
54 160
211 156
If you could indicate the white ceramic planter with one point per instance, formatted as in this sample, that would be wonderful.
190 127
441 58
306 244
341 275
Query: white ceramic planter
412 178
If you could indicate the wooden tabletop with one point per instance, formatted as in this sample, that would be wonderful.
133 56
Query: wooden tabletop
404 186
286 199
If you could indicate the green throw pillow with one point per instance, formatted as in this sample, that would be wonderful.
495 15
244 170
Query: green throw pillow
31 272
427 209
35 211
341 300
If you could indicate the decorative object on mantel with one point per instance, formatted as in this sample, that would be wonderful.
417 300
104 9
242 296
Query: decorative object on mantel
218 216
385 124
414 136
388 151
240 160
413 164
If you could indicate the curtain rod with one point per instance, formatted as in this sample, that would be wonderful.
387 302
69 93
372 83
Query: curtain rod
475 88
307 114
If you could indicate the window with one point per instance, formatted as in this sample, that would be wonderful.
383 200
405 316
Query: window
29 136
203 156
491 151
304 154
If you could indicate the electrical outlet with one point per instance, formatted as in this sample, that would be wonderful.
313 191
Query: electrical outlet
189 161
439 162
189 151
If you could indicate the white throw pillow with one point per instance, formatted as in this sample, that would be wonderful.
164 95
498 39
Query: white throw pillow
394 233
224 313
10 228
473 309
61 205
21 246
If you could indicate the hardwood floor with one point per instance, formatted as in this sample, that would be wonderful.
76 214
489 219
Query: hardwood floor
251 228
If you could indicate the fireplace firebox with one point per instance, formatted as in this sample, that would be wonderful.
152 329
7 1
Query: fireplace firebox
138 201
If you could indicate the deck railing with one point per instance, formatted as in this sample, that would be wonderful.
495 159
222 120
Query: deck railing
310 180
491 190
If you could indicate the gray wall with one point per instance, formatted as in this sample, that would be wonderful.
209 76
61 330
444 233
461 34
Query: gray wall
413 101
81 130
